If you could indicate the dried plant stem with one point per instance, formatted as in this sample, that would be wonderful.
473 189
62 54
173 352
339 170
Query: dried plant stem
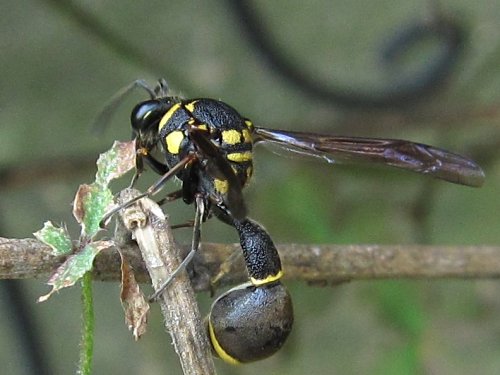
182 317
29 258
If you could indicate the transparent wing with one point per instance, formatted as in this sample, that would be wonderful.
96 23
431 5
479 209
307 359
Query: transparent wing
402 154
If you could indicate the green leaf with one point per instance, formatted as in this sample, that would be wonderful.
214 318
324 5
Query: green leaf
115 162
93 201
57 238
89 206
75 267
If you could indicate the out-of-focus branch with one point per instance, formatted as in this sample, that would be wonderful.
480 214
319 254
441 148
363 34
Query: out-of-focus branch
28 258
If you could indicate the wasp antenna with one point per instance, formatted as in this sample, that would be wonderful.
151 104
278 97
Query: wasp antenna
104 117
161 88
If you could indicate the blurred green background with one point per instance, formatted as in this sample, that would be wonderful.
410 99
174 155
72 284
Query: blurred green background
56 76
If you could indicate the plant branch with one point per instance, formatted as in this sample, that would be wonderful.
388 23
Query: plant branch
29 258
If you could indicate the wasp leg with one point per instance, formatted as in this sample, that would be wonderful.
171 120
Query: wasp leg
154 163
195 244
159 168
225 268
153 189
187 224
170 197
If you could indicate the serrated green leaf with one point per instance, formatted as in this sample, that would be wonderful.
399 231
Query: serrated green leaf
115 162
57 238
95 203
89 206
68 273
92 201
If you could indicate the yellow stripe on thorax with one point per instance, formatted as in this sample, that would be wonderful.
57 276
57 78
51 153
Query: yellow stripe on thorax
231 136
190 106
247 137
249 125
239 157
222 186
168 115
173 141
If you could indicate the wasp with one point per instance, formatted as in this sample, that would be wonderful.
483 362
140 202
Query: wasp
208 146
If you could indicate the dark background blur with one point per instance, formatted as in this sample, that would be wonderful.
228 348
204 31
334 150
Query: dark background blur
55 77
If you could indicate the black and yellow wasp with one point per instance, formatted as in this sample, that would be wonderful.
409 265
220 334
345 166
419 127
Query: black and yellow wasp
208 146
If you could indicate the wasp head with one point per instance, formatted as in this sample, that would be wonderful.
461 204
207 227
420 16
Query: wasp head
145 118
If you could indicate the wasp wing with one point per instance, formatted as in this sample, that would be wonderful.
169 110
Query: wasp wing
219 168
402 154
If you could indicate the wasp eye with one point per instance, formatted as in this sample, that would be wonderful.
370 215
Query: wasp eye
146 114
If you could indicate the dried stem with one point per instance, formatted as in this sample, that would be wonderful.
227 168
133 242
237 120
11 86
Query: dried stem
182 317
29 258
